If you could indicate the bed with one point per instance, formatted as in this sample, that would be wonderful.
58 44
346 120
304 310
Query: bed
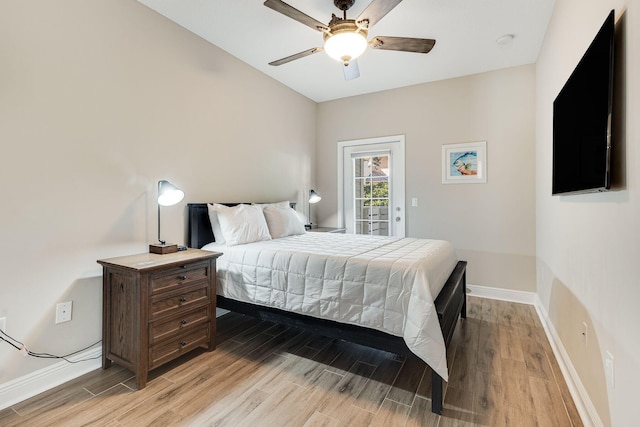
281 280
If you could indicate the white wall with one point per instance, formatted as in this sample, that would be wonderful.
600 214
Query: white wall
588 246
492 225
98 101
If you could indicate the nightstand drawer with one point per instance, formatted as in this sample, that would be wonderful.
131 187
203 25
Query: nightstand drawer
182 300
161 330
177 277
174 347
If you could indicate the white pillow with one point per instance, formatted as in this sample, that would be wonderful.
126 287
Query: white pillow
242 224
215 224
285 204
282 222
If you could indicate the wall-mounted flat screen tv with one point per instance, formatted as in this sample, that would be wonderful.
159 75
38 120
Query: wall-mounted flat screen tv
582 120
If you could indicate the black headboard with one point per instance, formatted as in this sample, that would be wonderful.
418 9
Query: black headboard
199 231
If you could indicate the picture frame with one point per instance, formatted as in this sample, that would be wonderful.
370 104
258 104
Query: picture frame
464 163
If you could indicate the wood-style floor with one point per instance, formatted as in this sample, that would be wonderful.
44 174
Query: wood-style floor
502 373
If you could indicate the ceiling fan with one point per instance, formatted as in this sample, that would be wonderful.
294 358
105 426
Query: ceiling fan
346 39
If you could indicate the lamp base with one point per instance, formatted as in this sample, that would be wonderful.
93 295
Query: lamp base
163 249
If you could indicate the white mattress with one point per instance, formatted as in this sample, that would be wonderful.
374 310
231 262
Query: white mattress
383 283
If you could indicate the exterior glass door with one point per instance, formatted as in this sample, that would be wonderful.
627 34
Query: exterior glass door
371 186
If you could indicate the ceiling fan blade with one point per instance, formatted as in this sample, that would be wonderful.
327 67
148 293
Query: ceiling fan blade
405 44
351 70
297 56
295 14
376 10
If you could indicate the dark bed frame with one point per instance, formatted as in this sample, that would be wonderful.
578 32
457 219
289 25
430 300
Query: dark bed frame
450 302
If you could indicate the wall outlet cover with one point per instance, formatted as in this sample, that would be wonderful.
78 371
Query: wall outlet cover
63 312
609 372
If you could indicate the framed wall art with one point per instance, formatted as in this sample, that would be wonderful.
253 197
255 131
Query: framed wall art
464 163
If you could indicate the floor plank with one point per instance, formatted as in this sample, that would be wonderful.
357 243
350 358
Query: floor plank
420 414
407 382
391 414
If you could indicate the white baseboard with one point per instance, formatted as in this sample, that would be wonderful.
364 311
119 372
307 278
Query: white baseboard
501 294
580 396
44 379
583 403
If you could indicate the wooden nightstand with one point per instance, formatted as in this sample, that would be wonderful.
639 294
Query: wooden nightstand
328 230
156 308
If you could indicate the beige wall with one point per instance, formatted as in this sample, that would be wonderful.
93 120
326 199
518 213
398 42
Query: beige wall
492 225
98 101
588 246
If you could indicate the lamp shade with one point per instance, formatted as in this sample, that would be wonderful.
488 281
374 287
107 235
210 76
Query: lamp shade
168 194
314 197
345 46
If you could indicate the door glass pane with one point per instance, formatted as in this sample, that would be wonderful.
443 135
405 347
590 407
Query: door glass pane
371 195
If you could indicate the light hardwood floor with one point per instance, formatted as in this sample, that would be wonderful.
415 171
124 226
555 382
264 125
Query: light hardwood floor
502 373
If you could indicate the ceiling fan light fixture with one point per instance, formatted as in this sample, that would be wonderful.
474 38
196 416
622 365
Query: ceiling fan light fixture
346 39
345 46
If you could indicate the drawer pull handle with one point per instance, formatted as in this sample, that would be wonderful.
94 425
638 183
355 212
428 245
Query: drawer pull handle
183 267
183 277
183 343
183 321
183 299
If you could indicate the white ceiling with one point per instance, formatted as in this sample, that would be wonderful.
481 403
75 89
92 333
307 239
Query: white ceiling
465 31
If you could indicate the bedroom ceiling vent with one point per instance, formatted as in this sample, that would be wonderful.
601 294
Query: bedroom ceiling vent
168 195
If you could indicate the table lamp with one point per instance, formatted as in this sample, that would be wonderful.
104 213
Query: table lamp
168 195
313 199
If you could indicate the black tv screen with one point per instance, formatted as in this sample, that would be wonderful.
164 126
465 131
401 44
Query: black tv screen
582 120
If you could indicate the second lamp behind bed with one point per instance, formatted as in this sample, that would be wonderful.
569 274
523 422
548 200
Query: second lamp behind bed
313 199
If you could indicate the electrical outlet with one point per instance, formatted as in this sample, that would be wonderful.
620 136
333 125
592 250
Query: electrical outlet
63 312
414 202
608 370
585 331
3 324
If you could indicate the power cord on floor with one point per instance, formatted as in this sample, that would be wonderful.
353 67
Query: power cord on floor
22 348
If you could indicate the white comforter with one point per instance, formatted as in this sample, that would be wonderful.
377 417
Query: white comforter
383 283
